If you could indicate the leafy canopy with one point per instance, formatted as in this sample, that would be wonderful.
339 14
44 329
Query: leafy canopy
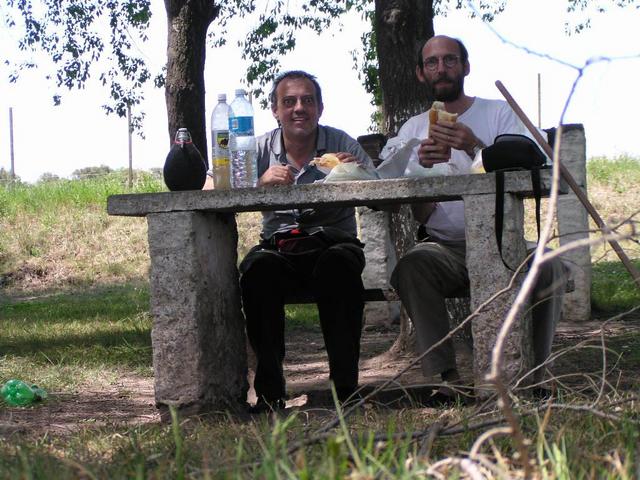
72 33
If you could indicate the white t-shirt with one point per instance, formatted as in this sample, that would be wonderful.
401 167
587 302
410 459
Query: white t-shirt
487 119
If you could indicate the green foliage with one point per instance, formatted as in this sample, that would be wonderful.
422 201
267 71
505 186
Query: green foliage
51 196
5 177
613 289
88 172
72 34
302 316
620 172
275 31
48 177
578 23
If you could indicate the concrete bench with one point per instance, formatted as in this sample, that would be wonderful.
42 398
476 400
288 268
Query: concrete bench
198 340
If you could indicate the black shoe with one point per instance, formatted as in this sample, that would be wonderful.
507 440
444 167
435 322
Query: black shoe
450 398
266 406
346 394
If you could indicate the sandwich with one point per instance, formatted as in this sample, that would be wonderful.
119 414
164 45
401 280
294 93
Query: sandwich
437 113
328 161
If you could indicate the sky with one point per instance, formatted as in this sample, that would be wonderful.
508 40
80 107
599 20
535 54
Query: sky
606 100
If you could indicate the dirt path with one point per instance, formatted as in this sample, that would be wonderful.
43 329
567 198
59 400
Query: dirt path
130 401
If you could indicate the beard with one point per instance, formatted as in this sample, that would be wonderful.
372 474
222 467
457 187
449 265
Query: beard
446 92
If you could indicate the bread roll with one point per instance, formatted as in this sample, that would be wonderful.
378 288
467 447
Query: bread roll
328 161
437 112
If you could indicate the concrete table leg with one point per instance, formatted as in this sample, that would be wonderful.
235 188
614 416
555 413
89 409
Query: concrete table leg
487 275
199 355
573 224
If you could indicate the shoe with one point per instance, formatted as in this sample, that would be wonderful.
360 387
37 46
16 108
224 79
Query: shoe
266 406
449 398
346 394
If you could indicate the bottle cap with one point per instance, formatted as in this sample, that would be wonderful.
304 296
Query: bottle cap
183 136
222 97
240 91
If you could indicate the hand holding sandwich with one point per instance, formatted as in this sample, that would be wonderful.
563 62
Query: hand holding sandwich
445 133
454 135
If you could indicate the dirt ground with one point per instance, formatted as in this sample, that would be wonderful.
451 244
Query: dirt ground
130 401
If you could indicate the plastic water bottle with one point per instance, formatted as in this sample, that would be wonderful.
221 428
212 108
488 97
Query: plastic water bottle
220 144
19 394
242 143
184 168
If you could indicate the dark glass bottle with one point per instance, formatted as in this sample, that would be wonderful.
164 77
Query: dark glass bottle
184 168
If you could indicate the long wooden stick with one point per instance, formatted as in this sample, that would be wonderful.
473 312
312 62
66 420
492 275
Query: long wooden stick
566 175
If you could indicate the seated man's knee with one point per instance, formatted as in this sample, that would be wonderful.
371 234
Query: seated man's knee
418 258
340 259
260 264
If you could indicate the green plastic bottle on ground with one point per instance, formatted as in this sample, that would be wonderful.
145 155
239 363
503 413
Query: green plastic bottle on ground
19 394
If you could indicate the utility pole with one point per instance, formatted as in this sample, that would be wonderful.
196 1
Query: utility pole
130 147
13 169
539 101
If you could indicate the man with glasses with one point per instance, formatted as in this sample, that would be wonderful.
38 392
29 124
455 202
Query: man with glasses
303 250
436 268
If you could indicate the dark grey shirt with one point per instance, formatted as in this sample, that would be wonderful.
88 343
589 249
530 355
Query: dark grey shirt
330 140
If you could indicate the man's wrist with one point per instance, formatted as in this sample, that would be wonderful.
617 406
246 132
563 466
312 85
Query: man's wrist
475 148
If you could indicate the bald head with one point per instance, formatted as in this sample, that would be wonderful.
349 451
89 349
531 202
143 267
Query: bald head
443 40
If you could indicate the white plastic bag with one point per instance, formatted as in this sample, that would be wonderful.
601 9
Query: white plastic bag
396 156
414 169
349 171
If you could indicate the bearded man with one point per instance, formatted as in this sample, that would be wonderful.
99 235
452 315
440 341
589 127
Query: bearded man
436 267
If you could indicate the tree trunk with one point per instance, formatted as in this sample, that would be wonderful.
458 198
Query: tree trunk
188 21
401 28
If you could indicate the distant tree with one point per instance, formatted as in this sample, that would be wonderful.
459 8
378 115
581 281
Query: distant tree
91 172
5 176
48 177
156 172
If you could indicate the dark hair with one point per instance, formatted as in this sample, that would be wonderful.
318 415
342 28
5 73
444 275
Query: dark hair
294 74
464 54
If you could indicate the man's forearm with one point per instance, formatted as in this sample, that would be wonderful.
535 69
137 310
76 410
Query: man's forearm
422 211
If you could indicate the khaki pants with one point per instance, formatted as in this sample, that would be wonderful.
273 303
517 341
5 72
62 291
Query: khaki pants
430 272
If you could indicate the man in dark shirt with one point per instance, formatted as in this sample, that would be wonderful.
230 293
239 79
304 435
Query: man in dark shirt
328 264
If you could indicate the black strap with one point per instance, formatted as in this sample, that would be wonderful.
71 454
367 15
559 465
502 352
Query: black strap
499 216
500 210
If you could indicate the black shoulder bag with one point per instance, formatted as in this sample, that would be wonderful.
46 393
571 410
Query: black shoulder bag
511 152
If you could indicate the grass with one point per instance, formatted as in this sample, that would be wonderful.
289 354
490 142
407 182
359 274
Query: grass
63 340
230 448
75 318
613 289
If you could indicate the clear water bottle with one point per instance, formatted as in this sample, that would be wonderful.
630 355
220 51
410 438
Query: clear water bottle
220 144
242 143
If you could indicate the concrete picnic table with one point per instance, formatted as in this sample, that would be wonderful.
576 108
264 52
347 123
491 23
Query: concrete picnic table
198 339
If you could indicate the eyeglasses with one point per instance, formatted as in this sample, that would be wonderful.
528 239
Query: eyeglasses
449 61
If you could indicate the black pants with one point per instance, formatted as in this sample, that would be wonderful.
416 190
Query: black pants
333 276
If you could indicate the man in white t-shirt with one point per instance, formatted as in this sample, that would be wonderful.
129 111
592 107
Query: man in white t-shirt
436 268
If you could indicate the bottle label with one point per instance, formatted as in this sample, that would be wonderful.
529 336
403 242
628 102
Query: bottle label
241 125
221 162
222 140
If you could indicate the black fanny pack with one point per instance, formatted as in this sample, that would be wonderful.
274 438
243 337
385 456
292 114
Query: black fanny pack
512 152
300 241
